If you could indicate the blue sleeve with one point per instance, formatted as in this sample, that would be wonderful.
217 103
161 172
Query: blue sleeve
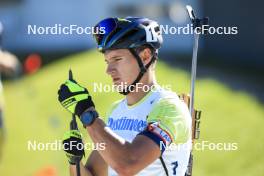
155 138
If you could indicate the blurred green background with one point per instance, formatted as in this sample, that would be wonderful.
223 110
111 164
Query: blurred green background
32 112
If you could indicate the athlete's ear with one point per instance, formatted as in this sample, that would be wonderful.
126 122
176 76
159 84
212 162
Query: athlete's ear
145 55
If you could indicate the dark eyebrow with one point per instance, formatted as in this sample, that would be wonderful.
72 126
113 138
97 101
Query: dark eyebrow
114 57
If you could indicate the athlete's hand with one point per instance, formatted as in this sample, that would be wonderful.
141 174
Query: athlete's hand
73 146
74 97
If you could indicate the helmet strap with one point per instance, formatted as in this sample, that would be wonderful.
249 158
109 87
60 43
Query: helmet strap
143 70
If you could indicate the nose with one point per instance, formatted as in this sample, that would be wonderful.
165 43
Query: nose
110 69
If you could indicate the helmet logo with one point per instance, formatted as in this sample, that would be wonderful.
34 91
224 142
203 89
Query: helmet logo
151 35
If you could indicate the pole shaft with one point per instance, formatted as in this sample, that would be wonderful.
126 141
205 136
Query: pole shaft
193 74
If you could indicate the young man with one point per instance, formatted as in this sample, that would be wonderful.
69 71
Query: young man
148 132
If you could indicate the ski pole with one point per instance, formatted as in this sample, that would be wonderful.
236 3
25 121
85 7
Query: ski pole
74 126
198 26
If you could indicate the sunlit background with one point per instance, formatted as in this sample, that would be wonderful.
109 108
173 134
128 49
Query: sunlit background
229 88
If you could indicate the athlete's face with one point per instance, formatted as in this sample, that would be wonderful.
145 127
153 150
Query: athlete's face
121 66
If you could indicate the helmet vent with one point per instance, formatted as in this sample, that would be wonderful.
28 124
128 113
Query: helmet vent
145 23
157 29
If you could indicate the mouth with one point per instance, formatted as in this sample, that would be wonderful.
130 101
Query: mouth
115 79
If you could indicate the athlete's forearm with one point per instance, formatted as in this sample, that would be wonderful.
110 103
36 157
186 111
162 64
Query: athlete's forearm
84 170
117 151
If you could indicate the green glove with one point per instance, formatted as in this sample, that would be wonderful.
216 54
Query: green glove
74 97
73 146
